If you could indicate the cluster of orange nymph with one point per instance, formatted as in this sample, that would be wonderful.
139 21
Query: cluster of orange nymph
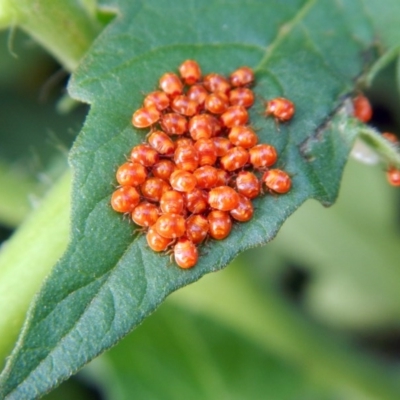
201 165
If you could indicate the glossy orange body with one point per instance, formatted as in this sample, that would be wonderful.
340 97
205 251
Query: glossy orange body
207 151
206 176
186 254
145 117
247 184
170 226
220 224
196 201
131 174
196 228
182 181
145 214
391 137
263 156
171 84
144 155
163 169
155 241
153 188
222 145
234 115
243 136
362 108
216 83
216 103
174 124
241 97
393 176
280 108
277 181
161 142
242 76
183 105
157 99
172 202
222 177
198 93
186 157
184 141
244 211
190 72
125 199
185 188
200 127
223 198
216 124
234 159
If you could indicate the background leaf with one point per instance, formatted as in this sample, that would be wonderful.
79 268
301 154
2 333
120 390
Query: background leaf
108 281
178 354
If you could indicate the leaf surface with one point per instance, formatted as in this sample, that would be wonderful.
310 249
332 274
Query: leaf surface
108 281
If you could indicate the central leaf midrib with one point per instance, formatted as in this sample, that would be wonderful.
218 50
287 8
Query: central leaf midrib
284 31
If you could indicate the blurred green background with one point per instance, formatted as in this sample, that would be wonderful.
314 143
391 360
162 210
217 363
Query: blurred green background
336 270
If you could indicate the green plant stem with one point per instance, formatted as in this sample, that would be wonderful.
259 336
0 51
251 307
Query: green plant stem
388 151
389 56
27 258
265 317
65 28
14 197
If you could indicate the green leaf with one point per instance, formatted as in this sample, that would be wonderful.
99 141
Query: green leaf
108 280
355 281
385 19
177 354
